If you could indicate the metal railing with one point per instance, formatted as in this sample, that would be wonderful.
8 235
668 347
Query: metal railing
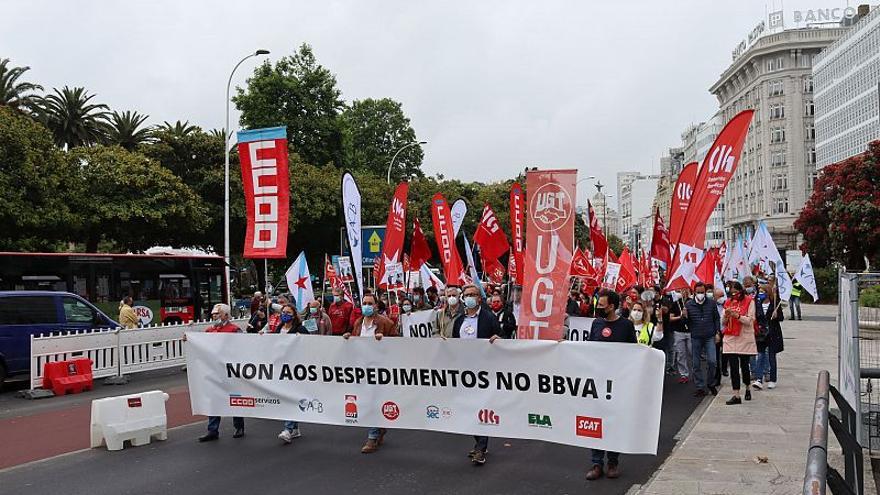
819 475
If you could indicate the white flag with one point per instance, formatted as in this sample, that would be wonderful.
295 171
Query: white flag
804 275
299 282
429 279
763 252
458 211
689 258
736 268
351 208
472 269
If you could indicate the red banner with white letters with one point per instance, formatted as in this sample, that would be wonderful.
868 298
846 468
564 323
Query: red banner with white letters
263 156
549 250
395 228
444 233
517 232
681 198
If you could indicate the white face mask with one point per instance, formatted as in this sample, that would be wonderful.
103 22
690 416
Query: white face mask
452 300
637 315
700 297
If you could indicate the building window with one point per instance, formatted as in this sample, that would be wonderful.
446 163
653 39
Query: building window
780 205
775 63
810 132
808 84
809 108
777 111
780 182
811 181
811 156
776 88
777 135
777 159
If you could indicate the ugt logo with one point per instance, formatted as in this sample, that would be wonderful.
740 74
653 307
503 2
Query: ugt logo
722 156
550 207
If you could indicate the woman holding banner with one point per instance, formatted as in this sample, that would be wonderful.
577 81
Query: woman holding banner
739 338
290 323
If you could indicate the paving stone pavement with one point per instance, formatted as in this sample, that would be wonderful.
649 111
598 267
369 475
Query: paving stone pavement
717 457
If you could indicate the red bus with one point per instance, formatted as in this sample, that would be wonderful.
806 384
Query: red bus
166 288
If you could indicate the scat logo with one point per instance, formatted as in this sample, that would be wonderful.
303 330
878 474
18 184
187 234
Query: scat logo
586 426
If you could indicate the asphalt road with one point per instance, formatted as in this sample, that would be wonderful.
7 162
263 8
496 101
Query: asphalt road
327 459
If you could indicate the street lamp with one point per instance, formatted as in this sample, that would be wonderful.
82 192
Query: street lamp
227 135
390 165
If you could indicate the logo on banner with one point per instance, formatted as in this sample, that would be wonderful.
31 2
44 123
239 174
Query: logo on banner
684 192
239 401
351 409
437 412
390 411
540 420
313 405
585 426
550 207
722 156
488 417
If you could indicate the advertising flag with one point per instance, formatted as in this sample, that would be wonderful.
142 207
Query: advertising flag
459 211
429 279
687 260
660 241
805 276
706 269
351 208
627 276
444 234
580 266
299 282
517 231
395 229
512 269
494 270
597 237
263 156
549 249
420 251
765 255
472 265
681 199
489 236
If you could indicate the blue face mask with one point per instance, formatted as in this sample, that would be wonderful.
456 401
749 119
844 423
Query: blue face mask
762 296
367 309
286 318
470 302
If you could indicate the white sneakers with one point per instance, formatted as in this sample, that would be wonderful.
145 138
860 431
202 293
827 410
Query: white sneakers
771 384
758 385
287 436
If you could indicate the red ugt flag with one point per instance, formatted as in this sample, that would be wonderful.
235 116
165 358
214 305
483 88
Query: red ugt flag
420 251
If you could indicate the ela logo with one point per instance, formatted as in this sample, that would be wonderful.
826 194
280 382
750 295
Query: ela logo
488 417
586 426
390 411
351 409
540 420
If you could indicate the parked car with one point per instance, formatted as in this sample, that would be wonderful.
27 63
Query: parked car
26 313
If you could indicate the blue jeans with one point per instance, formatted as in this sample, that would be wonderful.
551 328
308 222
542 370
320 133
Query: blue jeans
291 425
698 346
771 358
795 303
214 423
482 443
761 365
599 457
375 433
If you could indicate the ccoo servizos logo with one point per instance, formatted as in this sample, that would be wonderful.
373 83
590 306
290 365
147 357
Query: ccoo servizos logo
239 401
550 207
586 426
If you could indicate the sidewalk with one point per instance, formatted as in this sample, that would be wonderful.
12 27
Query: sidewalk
718 455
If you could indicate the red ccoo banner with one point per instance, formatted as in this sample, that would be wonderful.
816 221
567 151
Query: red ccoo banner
549 250
444 233
517 233
263 155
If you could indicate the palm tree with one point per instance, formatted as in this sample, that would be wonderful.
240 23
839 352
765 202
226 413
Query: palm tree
72 119
18 95
178 129
125 129
217 133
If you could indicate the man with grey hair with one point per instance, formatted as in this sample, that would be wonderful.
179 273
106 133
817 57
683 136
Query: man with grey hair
220 318
449 311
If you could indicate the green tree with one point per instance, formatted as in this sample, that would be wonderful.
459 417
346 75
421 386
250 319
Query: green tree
73 120
34 213
178 129
301 94
372 132
127 198
15 94
127 129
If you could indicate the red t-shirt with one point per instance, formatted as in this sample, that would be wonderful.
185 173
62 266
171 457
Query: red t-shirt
340 317
228 327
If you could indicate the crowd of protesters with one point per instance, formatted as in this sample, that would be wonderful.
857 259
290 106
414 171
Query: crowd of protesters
705 332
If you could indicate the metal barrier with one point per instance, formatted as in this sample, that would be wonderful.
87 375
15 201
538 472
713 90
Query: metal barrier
116 352
819 475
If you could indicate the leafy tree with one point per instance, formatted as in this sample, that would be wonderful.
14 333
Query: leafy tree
127 198
34 214
178 129
372 132
73 120
301 94
14 94
841 220
126 129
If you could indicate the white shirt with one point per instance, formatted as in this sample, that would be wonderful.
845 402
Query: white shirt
368 331
469 326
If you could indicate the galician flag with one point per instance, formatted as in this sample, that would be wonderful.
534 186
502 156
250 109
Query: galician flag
804 275
299 282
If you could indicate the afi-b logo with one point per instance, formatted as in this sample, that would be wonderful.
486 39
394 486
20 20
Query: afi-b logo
540 420
722 156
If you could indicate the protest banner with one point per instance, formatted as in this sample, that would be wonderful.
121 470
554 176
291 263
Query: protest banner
263 154
422 324
579 328
351 209
588 394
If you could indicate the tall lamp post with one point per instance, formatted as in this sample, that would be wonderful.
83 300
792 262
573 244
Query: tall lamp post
228 134
393 158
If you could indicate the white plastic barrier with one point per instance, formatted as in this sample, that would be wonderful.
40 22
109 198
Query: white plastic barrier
137 418
116 352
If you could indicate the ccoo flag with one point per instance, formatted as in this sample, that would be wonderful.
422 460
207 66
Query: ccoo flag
444 234
263 154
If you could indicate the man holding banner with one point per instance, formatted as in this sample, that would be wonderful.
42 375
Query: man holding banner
476 324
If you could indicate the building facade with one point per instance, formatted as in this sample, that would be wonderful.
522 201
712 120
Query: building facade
846 82
636 193
608 217
777 169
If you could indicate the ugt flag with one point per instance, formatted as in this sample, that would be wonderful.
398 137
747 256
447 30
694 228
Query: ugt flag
299 282
263 155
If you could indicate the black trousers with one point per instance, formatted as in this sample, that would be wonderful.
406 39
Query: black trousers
738 362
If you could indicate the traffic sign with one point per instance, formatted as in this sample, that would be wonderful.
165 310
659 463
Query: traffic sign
373 237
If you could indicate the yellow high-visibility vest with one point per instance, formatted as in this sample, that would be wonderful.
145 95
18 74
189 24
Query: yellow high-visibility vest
646 334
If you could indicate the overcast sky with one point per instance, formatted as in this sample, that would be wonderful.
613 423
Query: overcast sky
492 85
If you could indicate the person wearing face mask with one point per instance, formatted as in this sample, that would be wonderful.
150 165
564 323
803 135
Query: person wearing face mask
721 363
516 302
374 325
609 327
476 323
448 312
739 338
572 307
749 286
290 324
704 324
340 313
419 301
644 328
768 316
676 317
221 324
432 296
322 325
505 318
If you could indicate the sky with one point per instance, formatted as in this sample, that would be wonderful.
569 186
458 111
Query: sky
493 86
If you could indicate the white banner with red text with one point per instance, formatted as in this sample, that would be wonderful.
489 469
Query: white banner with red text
587 394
